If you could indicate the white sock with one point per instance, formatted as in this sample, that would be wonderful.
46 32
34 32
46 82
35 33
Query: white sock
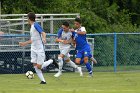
46 63
72 64
39 73
60 63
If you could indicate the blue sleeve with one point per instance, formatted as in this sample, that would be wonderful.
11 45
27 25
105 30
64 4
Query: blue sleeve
59 32
38 27
73 34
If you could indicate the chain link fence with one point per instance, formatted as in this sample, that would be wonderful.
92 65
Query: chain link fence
16 59
114 52
117 51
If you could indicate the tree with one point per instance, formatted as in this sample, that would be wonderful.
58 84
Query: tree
97 15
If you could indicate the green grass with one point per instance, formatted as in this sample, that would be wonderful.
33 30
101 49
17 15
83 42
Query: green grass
119 68
102 82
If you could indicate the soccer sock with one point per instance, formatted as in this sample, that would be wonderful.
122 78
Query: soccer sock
88 67
39 73
60 60
46 63
72 64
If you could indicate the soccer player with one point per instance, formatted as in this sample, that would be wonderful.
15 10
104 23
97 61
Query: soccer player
64 38
37 41
82 47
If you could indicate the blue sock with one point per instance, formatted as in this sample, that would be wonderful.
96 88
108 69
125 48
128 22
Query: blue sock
88 67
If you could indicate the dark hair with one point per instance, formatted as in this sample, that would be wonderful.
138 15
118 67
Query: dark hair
66 24
31 16
78 20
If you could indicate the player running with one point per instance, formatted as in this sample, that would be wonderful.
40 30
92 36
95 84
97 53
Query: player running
82 47
64 38
37 41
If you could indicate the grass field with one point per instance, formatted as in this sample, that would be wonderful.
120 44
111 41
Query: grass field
102 82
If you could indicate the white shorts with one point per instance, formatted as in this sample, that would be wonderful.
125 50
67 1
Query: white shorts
65 52
37 57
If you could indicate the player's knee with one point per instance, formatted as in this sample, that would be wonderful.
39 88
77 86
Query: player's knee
85 59
60 58
77 61
38 66
67 60
61 55
34 64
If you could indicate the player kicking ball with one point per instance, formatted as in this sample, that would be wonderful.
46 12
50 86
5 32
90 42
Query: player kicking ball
65 39
82 47
37 41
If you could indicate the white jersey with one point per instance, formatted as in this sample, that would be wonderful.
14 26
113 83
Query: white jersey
36 38
64 36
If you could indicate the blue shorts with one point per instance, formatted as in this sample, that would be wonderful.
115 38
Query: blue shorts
86 52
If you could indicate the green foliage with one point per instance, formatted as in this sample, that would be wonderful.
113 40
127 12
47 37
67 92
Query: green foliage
98 15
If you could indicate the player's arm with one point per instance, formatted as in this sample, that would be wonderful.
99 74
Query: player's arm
40 30
43 37
82 32
25 43
68 41
58 39
73 42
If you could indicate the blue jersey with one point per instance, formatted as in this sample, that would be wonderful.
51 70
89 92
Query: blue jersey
81 42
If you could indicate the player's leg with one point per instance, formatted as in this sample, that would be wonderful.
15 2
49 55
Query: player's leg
60 65
78 58
38 67
46 63
87 63
72 64
93 60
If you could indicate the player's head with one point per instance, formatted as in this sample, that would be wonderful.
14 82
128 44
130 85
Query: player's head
77 22
31 17
65 26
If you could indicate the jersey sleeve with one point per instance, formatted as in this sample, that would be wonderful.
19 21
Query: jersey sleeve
83 29
38 27
73 34
59 33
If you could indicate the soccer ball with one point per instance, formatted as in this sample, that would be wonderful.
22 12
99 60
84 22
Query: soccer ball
29 74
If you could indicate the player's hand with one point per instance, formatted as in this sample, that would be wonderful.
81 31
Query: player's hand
74 45
72 30
65 42
44 41
22 44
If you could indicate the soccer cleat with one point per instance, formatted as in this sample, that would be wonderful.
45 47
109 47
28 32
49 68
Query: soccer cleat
42 82
80 71
55 63
58 74
90 74
93 60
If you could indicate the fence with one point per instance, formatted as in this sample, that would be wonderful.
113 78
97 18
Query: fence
17 23
113 51
16 59
117 51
